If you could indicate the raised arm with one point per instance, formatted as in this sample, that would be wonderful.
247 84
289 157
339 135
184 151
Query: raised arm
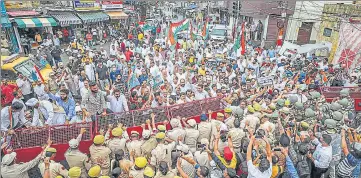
249 148
343 142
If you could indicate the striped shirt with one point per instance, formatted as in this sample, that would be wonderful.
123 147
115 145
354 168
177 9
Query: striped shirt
347 165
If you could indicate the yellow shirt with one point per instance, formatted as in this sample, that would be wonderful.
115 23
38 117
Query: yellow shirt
140 36
276 170
38 38
201 72
231 164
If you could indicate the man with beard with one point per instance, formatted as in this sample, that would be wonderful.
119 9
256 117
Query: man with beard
118 102
93 102
68 104
8 119
56 52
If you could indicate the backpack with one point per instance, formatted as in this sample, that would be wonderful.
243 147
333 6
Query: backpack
302 168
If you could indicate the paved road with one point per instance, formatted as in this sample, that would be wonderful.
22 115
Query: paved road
65 57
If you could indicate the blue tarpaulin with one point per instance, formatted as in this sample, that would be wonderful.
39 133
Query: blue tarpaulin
192 6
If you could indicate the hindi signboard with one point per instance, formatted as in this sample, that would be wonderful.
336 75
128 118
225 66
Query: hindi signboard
264 81
86 5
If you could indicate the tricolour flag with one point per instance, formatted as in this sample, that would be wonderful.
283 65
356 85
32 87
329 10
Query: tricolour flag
175 28
205 30
243 43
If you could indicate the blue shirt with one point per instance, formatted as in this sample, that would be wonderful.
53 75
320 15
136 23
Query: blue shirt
68 106
271 53
291 168
113 75
142 78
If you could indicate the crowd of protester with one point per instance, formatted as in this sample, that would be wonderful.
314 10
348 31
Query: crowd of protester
284 128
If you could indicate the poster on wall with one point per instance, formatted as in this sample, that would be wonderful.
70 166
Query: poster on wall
86 5
112 5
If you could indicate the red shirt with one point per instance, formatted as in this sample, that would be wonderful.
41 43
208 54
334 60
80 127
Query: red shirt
127 55
7 93
65 33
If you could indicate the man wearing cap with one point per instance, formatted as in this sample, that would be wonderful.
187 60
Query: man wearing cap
135 143
163 152
9 118
118 141
9 169
204 128
191 134
150 141
137 171
55 168
229 118
44 110
100 154
75 157
218 122
177 130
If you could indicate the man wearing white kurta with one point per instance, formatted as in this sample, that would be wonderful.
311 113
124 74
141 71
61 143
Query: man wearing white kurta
44 111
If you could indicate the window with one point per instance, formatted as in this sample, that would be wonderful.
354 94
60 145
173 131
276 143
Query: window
327 32
219 32
26 68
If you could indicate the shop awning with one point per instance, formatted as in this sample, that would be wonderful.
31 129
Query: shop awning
5 22
35 22
117 15
66 18
93 17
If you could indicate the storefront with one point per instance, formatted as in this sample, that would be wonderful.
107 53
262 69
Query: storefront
92 19
117 18
66 19
8 39
27 25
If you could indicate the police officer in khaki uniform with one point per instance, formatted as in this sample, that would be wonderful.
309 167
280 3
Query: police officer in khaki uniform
76 158
150 142
192 134
118 141
229 118
100 154
205 127
55 168
163 152
10 169
164 172
236 135
216 123
177 130
137 171
135 144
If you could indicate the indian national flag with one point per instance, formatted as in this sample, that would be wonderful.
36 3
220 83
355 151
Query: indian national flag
175 28
205 30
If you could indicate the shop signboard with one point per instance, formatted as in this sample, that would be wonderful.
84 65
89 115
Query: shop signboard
86 5
112 5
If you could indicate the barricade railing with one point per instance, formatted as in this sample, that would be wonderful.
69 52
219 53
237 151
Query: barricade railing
33 137
63 133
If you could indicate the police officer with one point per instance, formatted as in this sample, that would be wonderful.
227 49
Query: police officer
75 157
177 130
150 142
100 154
204 127
192 134
229 118
236 134
137 171
331 125
215 123
135 143
10 169
118 141
163 152
55 168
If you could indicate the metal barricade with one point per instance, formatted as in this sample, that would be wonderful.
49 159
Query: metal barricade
333 92
185 110
126 118
140 116
27 138
63 133
213 104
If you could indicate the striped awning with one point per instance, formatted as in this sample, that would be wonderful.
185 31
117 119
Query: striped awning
5 22
35 22
66 18
93 17
117 15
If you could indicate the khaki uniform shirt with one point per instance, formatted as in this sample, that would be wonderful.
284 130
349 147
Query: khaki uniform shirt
115 145
162 153
221 146
229 122
175 133
170 174
214 124
55 169
136 173
19 170
76 158
253 121
100 152
202 158
135 145
236 135
148 146
191 139
205 130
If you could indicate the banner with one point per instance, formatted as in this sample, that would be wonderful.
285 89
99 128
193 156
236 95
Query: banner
86 5
112 5
264 81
